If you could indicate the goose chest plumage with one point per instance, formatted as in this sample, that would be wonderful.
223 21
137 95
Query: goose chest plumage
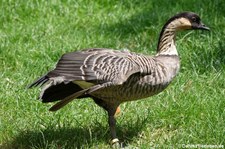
111 77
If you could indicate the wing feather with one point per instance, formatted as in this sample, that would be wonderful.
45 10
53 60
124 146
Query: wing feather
96 65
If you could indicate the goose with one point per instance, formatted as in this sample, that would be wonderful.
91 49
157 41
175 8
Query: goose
111 77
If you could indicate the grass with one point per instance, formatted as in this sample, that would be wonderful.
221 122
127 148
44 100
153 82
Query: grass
34 34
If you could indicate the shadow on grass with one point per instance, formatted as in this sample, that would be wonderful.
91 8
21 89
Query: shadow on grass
57 138
134 25
80 137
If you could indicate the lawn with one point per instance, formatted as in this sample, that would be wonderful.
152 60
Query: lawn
33 36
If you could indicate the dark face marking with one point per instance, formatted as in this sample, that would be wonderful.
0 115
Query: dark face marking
194 20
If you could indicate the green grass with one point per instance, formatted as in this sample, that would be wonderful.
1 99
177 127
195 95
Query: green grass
33 36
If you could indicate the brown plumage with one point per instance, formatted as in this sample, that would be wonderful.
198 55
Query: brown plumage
111 77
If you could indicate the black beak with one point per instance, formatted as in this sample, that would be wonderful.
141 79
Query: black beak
203 27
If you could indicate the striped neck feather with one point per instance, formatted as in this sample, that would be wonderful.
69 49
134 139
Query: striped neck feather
166 44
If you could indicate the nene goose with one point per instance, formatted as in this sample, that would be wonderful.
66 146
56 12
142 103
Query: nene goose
111 77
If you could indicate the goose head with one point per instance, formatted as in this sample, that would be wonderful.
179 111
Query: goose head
184 21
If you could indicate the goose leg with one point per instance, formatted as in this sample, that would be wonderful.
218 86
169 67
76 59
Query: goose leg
112 127
113 112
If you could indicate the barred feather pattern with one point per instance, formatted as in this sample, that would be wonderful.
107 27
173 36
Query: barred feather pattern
97 65
154 78
131 76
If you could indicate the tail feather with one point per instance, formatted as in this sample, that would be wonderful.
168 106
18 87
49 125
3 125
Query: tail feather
68 99
41 81
83 92
55 90
59 92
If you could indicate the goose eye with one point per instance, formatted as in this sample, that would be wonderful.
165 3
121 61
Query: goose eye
194 19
